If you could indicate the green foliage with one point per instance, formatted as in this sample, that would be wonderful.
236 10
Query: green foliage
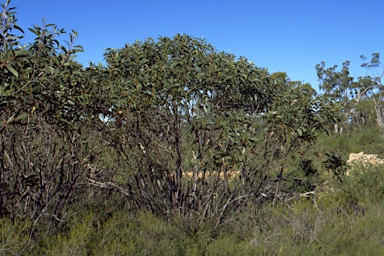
366 183
177 106
340 87
14 237
43 95
337 221
75 242
335 164
368 140
226 245
8 40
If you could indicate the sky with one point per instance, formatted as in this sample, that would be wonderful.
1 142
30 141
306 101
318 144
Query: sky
290 36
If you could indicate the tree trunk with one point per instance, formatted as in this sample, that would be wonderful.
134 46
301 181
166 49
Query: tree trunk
2 151
380 114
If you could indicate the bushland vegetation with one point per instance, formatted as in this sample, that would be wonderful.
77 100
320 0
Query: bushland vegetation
175 148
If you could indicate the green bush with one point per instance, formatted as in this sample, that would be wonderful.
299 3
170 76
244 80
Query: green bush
14 237
74 242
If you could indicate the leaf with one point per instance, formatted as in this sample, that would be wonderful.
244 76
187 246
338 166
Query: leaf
13 128
18 28
300 132
254 139
22 116
12 70
33 31
22 53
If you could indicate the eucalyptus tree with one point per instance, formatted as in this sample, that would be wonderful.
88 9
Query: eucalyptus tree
349 93
173 98
43 98
377 71
177 105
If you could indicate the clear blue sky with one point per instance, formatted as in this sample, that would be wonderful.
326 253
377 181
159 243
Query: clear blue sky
281 35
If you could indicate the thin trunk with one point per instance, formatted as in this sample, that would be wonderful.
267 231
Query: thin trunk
2 150
380 114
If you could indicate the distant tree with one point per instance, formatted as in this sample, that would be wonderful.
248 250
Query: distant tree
377 71
340 87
